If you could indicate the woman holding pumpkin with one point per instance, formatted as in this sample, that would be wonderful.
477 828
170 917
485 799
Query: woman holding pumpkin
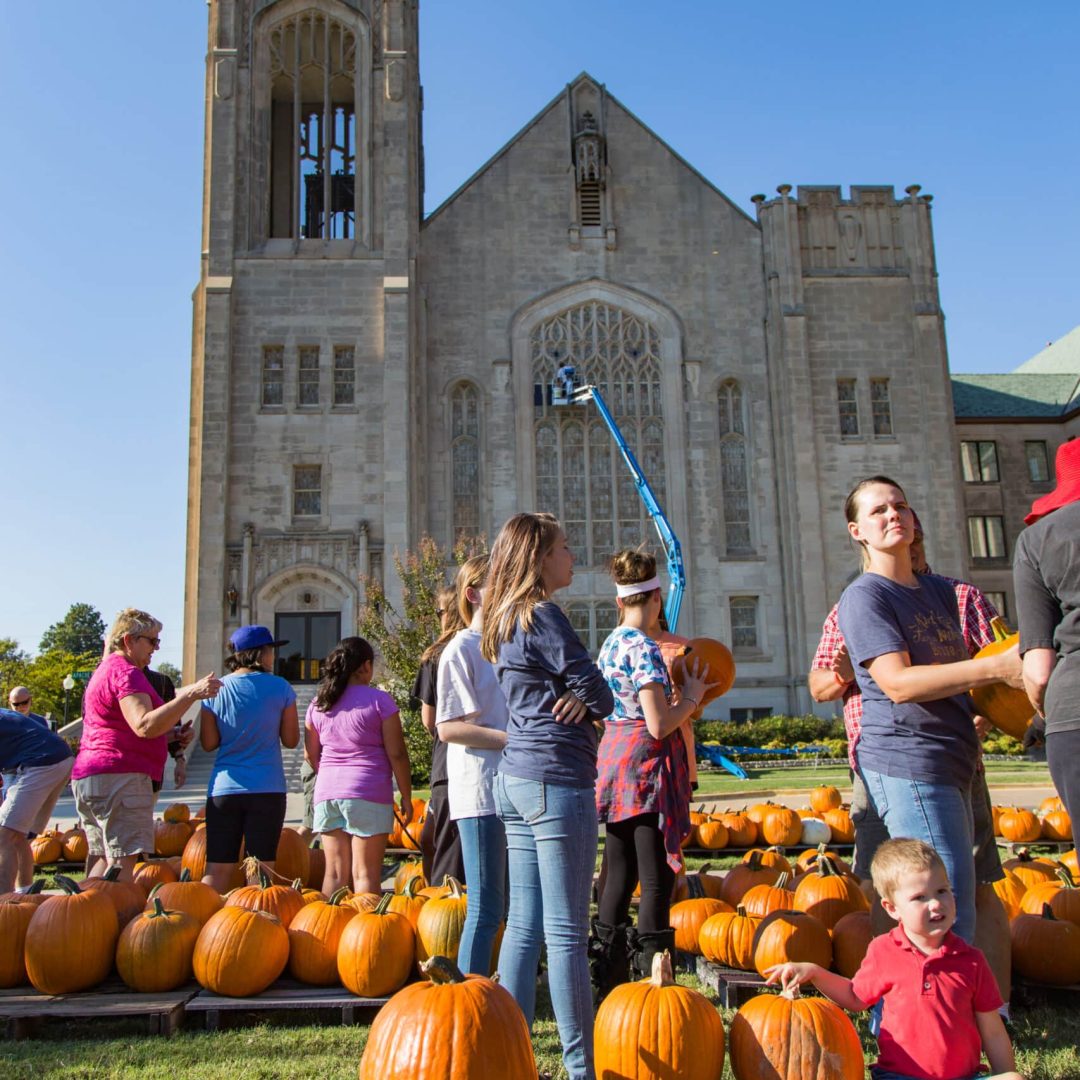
353 740
918 749
643 788
547 774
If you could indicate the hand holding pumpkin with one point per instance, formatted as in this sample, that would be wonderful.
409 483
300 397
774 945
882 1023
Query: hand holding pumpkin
696 684
1008 666
405 810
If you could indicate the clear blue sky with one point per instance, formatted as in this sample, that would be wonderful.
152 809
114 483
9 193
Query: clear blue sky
103 143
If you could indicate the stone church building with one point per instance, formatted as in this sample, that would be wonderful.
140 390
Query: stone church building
364 375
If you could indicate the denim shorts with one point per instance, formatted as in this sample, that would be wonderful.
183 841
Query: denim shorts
358 817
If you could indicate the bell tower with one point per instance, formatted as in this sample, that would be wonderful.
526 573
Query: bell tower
303 436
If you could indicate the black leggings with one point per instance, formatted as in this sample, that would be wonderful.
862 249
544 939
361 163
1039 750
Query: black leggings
1063 757
634 850
254 818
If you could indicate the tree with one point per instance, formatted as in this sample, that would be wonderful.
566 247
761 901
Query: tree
45 677
170 671
400 639
81 630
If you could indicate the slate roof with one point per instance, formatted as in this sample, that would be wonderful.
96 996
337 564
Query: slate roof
1045 387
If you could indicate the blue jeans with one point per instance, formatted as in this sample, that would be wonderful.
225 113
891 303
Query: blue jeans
483 850
940 815
551 837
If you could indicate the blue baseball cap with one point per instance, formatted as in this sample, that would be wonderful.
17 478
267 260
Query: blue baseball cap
252 637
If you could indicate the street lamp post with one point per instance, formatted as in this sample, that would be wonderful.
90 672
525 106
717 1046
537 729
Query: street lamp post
68 684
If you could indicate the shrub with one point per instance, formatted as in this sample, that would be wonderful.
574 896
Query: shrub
773 731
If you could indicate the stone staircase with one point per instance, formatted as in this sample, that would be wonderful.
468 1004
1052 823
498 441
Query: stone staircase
201 763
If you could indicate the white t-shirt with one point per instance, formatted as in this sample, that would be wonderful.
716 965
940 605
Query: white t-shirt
468 690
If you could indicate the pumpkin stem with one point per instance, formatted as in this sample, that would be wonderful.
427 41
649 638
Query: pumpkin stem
662 974
1000 628
66 884
791 993
826 867
782 880
740 911
185 874
439 969
412 886
154 891
298 884
340 895
383 905
34 889
1048 913
159 909
454 886
1066 877
695 890
112 874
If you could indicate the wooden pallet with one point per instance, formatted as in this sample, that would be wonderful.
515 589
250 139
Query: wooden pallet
286 994
731 986
23 1010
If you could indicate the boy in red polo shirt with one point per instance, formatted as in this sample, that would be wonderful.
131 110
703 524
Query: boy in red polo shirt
941 1000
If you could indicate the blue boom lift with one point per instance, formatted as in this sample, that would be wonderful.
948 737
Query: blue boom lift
567 391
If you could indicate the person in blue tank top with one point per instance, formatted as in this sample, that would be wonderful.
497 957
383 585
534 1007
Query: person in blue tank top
247 723
544 790
918 749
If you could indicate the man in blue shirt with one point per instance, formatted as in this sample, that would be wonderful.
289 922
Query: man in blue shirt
41 763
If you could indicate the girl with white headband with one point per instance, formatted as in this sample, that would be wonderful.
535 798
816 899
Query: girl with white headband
643 789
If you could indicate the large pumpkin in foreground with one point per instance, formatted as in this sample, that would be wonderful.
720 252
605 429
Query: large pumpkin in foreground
464 1027
787 1037
240 952
1007 708
710 654
656 1029
71 940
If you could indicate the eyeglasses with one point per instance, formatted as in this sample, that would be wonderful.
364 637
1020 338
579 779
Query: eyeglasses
155 641
20 704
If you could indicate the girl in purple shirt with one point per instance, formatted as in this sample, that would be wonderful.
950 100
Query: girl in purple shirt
354 742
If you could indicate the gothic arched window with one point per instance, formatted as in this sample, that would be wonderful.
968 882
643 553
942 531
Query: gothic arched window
465 459
580 475
313 137
734 470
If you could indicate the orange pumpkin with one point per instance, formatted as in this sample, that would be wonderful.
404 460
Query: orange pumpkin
316 865
177 812
742 830
15 915
807 860
1010 891
410 902
461 1026
762 900
740 879
687 918
283 901
155 949
828 895
712 835
314 936
71 940
657 1028
727 938
170 837
1030 869
439 926
376 951
195 897
127 897
1062 895
788 1037
851 937
73 846
1045 949
1071 863
712 655
843 829
148 874
772 857
781 826
1057 825
293 859
240 952
46 848
698 883
1008 709
1050 803
825 797
409 869
1019 826
786 936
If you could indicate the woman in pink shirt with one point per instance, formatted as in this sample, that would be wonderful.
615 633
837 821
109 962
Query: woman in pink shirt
354 742
124 744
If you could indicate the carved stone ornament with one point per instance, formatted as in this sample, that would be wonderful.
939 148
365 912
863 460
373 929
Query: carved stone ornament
850 233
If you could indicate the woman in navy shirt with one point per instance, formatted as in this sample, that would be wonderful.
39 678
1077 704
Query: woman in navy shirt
547 775
917 750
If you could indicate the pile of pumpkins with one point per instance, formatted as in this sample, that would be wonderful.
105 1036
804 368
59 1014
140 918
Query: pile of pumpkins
768 911
827 820
1050 821
59 845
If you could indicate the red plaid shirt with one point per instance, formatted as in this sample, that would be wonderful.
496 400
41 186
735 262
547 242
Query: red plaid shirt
976 614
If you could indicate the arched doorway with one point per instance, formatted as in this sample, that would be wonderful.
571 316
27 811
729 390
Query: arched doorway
311 635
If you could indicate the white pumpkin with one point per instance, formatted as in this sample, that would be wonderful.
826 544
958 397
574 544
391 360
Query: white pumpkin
815 831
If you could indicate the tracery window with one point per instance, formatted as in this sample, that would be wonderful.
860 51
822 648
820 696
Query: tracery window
580 475
313 68
592 621
344 375
465 459
734 470
744 623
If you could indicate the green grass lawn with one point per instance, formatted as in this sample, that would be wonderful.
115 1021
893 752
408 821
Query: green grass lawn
1046 1037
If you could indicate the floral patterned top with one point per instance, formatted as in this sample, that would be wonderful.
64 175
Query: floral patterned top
637 773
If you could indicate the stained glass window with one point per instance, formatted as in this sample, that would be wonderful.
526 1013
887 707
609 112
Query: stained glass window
734 470
465 459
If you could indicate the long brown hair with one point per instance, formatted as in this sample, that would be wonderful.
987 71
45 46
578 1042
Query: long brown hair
471 575
515 583
446 602
345 658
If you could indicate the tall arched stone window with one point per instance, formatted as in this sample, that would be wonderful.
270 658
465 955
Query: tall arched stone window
465 459
734 470
313 72
580 475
